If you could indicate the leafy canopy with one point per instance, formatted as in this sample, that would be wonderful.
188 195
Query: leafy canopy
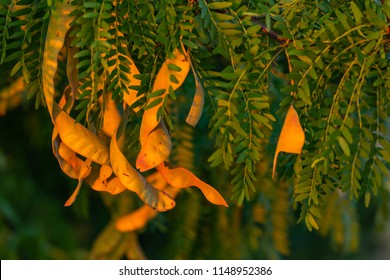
109 73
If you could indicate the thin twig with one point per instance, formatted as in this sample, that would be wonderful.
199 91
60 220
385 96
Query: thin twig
269 32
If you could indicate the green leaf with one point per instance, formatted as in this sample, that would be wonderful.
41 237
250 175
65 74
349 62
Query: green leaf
253 29
173 67
343 19
156 93
91 15
356 13
83 53
219 5
367 198
314 210
173 79
15 69
92 5
155 102
189 44
12 56
21 12
222 17
344 146
312 221
347 134
231 32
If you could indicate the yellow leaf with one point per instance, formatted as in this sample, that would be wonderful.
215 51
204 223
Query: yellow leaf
180 177
291 138
150 118
134 181
80 139
198 102
84 172
59 24
156 149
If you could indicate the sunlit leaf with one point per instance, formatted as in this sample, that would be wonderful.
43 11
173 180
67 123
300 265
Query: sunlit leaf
150 118
156 148
198 102
291 138
112 186
136 219
139 217
58 26
135 182
80 139
153 153
103 183
111 117
180 177
67 159
84 172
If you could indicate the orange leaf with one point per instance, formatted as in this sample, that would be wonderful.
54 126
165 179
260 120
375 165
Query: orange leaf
11 96
135 182
113 186
67 99
111 117
80 139
84 172
72 166
198 102
67 159
139 218
157 180
67 154
152 152
59 24
105 172
163 82
136 219
156 149
291 138
180 177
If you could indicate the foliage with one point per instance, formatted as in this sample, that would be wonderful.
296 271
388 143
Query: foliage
115 77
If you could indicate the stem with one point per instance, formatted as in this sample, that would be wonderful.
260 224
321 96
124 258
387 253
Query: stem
269 32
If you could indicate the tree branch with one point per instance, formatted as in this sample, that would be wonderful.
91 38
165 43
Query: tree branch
269 32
